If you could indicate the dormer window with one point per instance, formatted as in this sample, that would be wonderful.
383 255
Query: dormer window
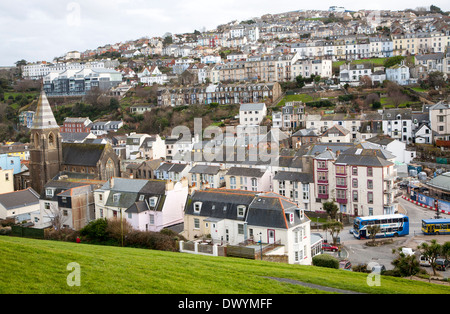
116 197
49 192
241 211
152 201
197 207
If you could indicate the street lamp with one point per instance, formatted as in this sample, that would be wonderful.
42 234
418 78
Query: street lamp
260 242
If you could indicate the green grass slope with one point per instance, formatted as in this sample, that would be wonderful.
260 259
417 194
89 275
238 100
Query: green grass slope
40 267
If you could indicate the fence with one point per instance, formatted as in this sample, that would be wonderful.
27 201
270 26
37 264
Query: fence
19 231
428 202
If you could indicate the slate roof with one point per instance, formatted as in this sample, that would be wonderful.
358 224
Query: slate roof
20 198
82 154
169 167
271 210
245 172
211 170
363 160
294 176
219 203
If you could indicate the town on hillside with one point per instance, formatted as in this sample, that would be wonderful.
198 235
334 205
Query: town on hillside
243 136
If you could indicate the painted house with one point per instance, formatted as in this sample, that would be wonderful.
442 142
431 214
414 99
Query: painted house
233 217
251 179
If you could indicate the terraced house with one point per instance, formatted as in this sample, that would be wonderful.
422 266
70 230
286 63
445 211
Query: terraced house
238 217
220 93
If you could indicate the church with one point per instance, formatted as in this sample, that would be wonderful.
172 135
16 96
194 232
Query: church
49 156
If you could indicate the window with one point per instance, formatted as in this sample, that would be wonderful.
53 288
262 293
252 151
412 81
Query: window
240 211
152 219
141 197
355 183
254 184
355 171
152 201
100 197
340 169
355 196
305 192
116 197
369 171
322 176
232 182
322 189
341 194
49 192
322 164
196 223
370 197
240 228
197 207
6 176
370 184
341 181
64 199
47 205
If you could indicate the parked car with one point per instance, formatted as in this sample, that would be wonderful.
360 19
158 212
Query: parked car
423 261
378 269
329 247
442 264
346 265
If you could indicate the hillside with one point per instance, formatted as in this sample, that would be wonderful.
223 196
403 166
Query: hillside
40 266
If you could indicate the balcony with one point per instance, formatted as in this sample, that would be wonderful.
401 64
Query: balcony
322 196
341 200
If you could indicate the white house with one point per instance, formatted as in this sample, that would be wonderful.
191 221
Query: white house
236 217
252 113
152 76
19 204
399 74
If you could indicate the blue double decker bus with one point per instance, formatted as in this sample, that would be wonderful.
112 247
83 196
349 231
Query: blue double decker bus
396 225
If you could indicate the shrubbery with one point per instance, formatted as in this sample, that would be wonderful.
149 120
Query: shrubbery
325 260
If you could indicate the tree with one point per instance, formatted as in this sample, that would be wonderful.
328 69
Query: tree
300 81
431 252
331 208
373 230
334 227
405 265
389 62
436 79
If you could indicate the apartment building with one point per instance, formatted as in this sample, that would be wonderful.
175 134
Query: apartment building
440 120
360 180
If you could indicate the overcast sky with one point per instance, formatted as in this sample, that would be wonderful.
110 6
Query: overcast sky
44 29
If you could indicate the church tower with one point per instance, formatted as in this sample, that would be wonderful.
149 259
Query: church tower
46 148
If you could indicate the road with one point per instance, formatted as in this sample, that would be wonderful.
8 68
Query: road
358 253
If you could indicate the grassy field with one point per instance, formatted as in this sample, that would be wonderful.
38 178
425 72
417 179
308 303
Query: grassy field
374 61
40 267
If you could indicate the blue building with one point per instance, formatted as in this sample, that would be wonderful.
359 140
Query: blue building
10 162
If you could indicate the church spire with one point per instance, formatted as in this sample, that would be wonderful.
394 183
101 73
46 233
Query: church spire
44 118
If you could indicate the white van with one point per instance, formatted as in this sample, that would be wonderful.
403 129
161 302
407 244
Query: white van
423 261
407 251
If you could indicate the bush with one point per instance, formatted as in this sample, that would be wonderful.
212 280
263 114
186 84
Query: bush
96 230
325 260
151 240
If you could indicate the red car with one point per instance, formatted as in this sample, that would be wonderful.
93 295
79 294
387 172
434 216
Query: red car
329 247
